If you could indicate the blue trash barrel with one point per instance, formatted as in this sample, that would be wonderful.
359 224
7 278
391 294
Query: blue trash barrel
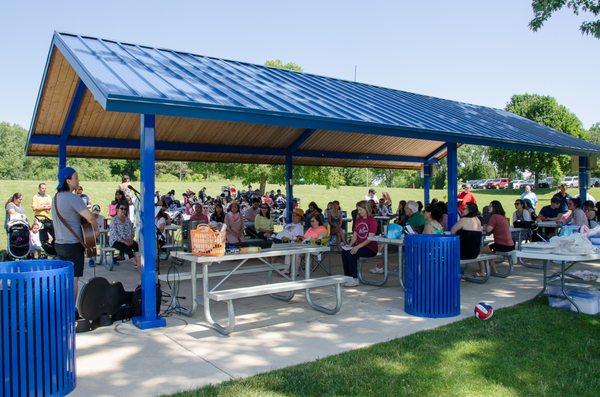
432 275
37 328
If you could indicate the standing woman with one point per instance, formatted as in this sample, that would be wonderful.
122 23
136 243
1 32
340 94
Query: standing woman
67 211
335 223
364 228
235 224
121 235
13 207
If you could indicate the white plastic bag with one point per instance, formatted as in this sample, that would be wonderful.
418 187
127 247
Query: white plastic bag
576 243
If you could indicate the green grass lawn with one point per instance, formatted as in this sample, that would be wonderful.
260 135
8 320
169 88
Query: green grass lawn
103 192
527 350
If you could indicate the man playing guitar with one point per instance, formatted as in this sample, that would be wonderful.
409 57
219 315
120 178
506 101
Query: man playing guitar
68 210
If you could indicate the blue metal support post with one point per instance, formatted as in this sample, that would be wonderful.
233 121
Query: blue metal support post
583 179
62 155
452 159
149 317
67 127
426 182
289 186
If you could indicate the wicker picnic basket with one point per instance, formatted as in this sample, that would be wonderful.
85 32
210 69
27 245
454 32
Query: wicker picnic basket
204 241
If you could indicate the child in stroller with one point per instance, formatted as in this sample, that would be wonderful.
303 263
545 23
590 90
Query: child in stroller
17 246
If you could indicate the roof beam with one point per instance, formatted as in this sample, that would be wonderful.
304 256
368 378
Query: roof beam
303 137
358 156
431 156
72 112
115 143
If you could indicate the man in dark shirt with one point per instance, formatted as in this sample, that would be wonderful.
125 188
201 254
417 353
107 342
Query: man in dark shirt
551 212
564 198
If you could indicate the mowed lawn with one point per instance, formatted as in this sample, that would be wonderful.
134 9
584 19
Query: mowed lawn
103 192
527 350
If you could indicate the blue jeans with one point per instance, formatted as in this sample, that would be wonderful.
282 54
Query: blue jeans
350 260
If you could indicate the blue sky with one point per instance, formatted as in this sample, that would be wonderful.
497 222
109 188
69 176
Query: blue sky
480 52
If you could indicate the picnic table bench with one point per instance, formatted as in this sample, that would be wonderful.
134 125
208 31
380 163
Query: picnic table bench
275 290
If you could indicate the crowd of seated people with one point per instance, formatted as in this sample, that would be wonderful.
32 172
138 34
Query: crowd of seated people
251 215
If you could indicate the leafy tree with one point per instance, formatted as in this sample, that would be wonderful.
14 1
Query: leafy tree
279 64
125 167
543 10
474 163
594 134
547 111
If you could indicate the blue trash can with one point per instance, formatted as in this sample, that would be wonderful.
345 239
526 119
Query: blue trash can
432 275
37 328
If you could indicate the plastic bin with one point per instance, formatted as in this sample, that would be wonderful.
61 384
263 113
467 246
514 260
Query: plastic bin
432 275
37 328
588 300
555 302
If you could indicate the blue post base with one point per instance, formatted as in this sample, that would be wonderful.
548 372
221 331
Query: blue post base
142 323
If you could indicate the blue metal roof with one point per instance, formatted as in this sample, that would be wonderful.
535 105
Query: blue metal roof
139 79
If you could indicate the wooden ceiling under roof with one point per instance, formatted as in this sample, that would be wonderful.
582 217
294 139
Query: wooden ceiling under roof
92 121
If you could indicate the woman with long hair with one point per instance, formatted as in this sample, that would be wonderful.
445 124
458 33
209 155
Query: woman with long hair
13 207
263 224
122 233
364 228
235 224
499 227
335 220
468 229
119 199
218 215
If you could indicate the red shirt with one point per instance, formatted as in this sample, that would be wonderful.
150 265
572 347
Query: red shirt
464 198
362 228
501 230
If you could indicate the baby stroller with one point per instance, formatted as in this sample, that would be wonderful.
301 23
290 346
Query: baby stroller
46 234
17 237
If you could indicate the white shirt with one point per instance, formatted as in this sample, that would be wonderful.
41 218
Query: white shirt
368 198
291 231
531 196
526 216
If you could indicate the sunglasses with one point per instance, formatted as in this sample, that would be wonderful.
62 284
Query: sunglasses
123 208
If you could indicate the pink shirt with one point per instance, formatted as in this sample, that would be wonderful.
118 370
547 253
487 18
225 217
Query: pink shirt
501 230
363 227
316 232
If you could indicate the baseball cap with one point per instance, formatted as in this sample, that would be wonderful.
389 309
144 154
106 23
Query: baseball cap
63 175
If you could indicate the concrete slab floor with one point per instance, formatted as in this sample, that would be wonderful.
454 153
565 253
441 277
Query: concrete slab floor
123 360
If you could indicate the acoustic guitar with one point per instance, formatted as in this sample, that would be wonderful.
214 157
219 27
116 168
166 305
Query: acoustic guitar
89 238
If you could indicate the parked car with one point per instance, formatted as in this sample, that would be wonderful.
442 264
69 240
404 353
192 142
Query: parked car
546 182
481 183
500 183
517 184
571 181
595 182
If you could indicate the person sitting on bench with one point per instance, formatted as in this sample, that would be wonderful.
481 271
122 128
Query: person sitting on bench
468 229
364 228
121 235
500 229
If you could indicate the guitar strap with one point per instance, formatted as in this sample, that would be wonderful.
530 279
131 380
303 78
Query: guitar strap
62 220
